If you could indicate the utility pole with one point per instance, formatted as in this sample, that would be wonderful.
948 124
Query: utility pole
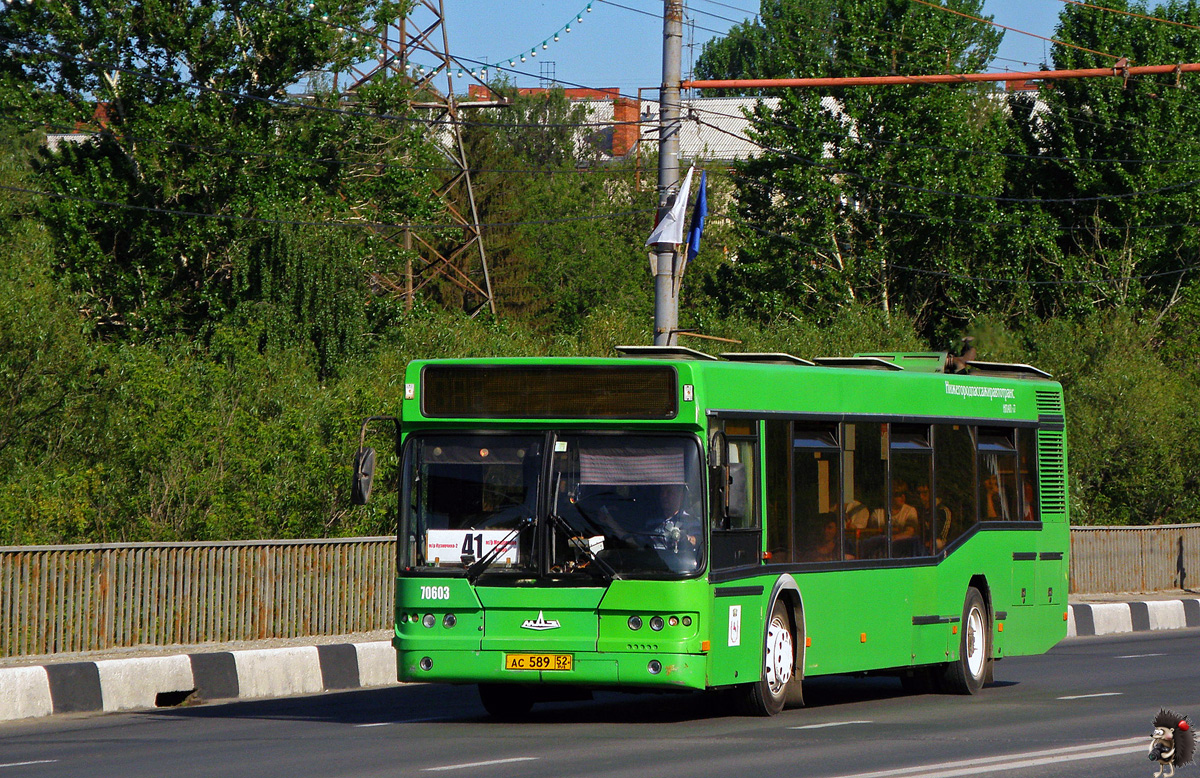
666 302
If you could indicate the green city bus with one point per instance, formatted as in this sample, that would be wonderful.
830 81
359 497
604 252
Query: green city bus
669 520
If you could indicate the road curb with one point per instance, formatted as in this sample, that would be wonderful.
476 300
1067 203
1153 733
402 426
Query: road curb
165 681
1111 618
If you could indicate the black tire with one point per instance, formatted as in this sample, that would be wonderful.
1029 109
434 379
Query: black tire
968 674
506 701
767 696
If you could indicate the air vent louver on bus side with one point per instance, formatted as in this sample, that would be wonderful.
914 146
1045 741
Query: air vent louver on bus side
1049 403
1052 470
1052 460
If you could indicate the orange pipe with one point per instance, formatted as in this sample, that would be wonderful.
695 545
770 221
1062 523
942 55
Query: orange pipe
938 78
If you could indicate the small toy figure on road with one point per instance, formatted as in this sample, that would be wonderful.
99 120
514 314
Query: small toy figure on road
1173 744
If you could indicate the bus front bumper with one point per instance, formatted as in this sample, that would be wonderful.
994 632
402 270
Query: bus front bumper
648 670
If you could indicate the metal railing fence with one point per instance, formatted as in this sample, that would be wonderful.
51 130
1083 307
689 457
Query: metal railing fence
1134 559
59 599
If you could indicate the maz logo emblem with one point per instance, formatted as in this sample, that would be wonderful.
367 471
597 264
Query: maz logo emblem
540 623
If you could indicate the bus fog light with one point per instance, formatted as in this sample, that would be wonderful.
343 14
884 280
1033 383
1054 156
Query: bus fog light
449 620
429 620
655 667
673 621
656 623
635 623
426 663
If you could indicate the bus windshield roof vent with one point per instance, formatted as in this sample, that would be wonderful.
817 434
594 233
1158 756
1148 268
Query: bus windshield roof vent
663 352
864 363
767 358
916 361
1005 370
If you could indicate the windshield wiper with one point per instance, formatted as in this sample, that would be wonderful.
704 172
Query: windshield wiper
478 567
601 568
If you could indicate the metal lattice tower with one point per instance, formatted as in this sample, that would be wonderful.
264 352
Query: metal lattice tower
463 262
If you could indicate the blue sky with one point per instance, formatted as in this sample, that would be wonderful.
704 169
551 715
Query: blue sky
622 47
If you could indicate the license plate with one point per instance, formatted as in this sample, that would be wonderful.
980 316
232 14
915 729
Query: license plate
539 661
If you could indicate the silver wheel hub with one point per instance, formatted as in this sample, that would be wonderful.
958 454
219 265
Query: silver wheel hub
975 641
779 659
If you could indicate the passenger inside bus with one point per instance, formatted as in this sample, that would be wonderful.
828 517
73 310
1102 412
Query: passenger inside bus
826 550
938 513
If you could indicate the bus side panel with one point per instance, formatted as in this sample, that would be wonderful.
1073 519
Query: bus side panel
736 634
858 619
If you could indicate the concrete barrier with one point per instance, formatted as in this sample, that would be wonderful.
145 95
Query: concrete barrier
148 682
1110 618
163 681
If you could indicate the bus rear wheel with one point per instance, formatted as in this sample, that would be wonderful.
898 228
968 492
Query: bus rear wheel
967 675
506 701
767 696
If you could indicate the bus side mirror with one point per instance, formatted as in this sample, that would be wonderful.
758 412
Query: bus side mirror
736 502
364 472
718 450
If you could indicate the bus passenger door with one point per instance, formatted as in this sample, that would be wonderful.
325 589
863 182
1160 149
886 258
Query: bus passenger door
735 552
734 503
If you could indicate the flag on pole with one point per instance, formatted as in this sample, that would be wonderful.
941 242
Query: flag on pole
670 229
698 213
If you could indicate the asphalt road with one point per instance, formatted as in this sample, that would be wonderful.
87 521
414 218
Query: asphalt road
1084 708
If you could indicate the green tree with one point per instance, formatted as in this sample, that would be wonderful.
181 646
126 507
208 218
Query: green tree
886 196
575 224
202 158
1118 159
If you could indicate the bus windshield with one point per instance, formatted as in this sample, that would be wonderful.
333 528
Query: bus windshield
624 505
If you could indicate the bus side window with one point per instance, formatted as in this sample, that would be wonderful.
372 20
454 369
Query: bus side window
816 491
1026 446
864 490
954 482
912 503
997 474
777 449
735 503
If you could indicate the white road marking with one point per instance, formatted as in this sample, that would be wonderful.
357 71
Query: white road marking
1089 696
989 764
1137 656
830 724
25 764
403 721
480 764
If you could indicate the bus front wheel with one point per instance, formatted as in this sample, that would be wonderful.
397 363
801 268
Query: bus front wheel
767 696
967 675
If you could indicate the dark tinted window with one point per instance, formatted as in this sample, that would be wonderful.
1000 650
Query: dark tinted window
777 466
548 392
954 475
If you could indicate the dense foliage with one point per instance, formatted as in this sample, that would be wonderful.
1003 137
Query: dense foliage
195 309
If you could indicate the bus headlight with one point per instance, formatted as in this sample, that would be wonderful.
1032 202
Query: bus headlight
656 623
635 623
449 620
429 620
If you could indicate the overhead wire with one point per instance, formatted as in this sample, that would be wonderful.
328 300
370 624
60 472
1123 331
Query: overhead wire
1013 29
112 67
371 163
610 124
831 170
1131 13
352 223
